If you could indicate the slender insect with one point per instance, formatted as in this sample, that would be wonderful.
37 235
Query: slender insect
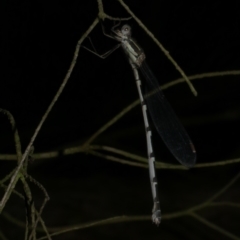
166 122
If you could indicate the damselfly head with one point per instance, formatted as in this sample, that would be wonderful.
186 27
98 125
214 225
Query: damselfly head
126 30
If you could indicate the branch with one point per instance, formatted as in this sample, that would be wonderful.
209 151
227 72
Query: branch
15 176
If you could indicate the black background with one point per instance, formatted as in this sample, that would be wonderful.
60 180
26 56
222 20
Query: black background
37 42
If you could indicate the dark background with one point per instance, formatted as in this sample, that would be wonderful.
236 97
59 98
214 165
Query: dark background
37 42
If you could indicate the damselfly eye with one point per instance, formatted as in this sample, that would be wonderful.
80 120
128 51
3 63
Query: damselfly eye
126 30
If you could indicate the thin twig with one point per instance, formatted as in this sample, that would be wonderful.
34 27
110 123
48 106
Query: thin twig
134 157
80 149
15 176
102 15
15 133
167 54
136 102
74 228
214 226
224 189
119 160
200 76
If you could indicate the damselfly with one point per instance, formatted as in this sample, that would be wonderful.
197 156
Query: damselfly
166 122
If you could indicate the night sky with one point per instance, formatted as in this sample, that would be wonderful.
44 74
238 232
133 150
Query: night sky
37 43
